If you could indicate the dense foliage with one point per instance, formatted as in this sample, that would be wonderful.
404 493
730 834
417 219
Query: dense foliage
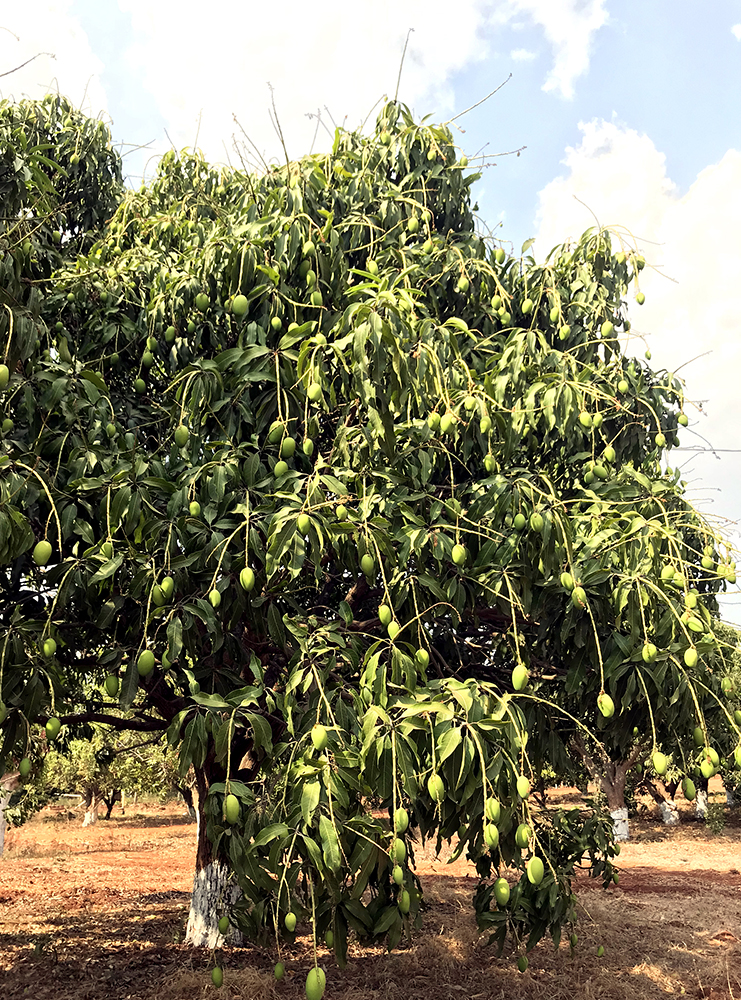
369 510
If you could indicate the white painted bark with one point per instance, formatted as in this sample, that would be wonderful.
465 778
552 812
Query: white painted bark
620 827
4 800
701 803
669 812
91 809
214 890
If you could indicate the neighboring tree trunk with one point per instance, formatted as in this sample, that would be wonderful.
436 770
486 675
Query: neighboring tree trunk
730 797
214 886
8 785
4 800
187 796
663 794
701 802
92 801
611 775
110 800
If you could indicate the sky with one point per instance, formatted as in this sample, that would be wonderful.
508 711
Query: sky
624 112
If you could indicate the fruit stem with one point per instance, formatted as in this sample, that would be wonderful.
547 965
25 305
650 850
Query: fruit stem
33 472
712 695
227 782
51 689
56 598
514 620
639 671
10 331
223 545
393 773
324 698
313 918
670 605
599 648
283 875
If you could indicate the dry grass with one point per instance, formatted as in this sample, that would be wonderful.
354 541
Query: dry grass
102 919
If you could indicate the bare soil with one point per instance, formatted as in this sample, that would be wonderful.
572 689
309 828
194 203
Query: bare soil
100 913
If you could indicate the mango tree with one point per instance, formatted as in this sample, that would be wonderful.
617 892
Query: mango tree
362 510
104 765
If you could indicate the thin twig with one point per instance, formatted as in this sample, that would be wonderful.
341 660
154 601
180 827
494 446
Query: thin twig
265 164
401 65
15 70
589 210
483 99
279 130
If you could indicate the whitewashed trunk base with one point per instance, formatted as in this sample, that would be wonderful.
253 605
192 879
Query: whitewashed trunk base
620 829
701 804
4 800
669 812
91 815
214 890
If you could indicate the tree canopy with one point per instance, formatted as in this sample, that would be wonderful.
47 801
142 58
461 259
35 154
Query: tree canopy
356 504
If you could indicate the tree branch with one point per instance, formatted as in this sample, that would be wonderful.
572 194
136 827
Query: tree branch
145 724
16 68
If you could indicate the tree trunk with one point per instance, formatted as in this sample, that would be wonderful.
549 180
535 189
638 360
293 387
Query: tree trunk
110 800
187 797
701 804
4 800
214 885
610 776
612 783
730 797
669 812
663 795
8 784
92 801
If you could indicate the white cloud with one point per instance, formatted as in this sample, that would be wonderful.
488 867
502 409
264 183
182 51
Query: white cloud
337 57
330 58
522 55
65 63
736 30
569 26
692 245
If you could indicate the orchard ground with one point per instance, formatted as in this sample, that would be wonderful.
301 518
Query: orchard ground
100 912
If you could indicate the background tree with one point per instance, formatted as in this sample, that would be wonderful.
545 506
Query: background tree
108 763
365 508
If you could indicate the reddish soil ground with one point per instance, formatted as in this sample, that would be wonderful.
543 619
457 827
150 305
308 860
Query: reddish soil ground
100 913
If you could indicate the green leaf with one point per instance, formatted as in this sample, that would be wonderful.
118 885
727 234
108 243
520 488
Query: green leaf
389 917
174 638
448 744
95 379
106 570
275 626
261 731
129 685
276 831
310 800
330 843
212 701
194 745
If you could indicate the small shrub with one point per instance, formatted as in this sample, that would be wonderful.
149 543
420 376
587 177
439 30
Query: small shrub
715 818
